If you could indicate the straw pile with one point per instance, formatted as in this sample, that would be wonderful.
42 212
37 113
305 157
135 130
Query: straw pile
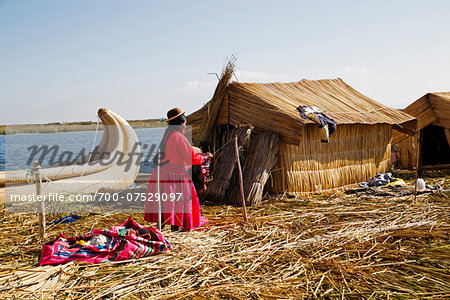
325 247
226 164
259 161
28 281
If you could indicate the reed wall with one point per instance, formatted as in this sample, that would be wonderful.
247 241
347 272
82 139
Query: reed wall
407 149
354 153
258 163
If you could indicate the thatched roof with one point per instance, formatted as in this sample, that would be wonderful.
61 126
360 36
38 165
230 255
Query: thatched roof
339 100
272 107
432 108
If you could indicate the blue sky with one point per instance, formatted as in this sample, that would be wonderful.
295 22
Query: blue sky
61 60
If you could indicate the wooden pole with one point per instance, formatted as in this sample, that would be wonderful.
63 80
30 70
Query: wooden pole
418 153
241 184
41 204
158 190
228 116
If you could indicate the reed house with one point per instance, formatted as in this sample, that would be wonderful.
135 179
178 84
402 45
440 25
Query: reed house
302 164
433 116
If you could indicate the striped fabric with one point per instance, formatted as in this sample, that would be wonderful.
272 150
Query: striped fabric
125 244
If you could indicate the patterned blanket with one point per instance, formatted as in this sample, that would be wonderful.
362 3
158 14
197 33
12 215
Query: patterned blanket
128 240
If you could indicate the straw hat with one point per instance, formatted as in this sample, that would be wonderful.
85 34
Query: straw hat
173 113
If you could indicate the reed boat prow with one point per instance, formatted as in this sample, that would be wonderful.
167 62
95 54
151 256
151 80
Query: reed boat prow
96 170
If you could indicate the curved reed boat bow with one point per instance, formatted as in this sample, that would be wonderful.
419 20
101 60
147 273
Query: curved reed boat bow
90 173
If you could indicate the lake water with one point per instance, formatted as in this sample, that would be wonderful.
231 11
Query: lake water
15 152
2 152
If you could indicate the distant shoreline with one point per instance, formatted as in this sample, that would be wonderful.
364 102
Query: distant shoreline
72 126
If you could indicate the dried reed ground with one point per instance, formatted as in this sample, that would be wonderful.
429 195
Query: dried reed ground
336 247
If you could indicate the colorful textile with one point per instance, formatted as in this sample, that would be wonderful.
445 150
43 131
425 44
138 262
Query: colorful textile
180 205
380 179
397 181
121 242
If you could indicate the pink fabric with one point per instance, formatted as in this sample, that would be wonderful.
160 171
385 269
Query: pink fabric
175 180
179 152
124 244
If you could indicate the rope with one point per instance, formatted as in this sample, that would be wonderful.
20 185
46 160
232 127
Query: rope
240 154
48 180
222 146
87 163
29 172
92 148
72 192
214 154
52 182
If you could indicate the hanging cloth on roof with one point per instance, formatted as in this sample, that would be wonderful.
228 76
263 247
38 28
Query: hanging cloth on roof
327 125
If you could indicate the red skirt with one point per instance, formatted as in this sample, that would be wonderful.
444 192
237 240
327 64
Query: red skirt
179 201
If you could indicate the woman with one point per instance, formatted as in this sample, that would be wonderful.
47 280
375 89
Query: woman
180 206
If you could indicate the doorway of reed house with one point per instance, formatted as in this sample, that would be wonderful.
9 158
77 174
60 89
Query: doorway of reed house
435 148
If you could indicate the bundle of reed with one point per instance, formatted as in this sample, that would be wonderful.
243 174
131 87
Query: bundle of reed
214 104
259 161
355 248
226 164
